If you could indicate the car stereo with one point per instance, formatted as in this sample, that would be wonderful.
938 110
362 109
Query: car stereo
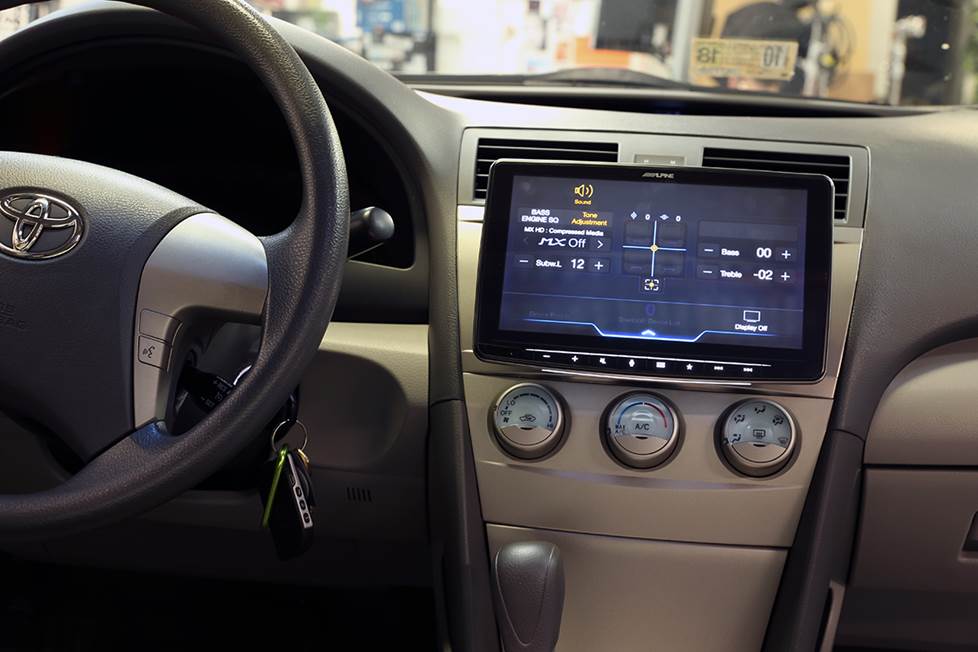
671 272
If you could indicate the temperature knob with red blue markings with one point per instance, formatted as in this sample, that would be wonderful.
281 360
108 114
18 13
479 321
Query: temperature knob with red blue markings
641 430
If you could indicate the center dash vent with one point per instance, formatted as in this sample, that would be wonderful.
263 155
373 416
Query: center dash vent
492 149
838 168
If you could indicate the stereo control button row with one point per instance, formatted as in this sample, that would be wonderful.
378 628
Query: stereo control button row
648 366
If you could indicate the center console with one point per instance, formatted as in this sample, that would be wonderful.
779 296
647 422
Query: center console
650 357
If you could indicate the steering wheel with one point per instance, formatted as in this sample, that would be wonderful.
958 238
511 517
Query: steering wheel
106 276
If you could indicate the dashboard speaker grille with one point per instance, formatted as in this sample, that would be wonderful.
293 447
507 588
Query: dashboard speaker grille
838 168
491 149
359 495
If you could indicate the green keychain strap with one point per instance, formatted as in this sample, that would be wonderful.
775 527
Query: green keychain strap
276 476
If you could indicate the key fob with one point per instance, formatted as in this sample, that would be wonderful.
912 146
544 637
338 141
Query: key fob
305 478
290 519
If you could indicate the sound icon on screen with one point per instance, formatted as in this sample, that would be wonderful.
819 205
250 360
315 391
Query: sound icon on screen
585 190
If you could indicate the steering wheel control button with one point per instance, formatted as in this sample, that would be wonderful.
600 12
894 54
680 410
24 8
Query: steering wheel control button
528 421
757 437
157 325
641 430
153 352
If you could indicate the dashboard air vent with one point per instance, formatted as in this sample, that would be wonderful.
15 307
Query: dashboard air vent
838 168
492 149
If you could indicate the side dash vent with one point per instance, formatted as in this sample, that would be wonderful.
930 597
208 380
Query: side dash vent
838 168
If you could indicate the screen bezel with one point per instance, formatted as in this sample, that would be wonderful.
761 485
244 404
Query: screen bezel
804 364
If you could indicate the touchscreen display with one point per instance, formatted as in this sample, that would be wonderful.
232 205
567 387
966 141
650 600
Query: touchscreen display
656 261
697 262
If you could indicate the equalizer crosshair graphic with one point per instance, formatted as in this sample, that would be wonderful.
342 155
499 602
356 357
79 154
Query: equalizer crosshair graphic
654 246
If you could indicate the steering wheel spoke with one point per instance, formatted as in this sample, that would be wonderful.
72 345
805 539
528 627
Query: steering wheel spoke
206 270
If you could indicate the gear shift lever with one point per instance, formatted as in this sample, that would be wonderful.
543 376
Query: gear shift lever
528 590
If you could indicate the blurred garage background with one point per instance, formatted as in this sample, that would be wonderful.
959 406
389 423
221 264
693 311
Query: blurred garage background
887 51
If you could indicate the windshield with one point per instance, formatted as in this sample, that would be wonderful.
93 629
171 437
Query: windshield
906 52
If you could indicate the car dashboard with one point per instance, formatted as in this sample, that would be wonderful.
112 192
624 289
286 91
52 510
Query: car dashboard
860 535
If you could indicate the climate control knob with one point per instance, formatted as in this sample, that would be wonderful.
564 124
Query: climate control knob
528 421
757 437
641 430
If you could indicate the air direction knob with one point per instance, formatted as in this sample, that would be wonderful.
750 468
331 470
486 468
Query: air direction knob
757 437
